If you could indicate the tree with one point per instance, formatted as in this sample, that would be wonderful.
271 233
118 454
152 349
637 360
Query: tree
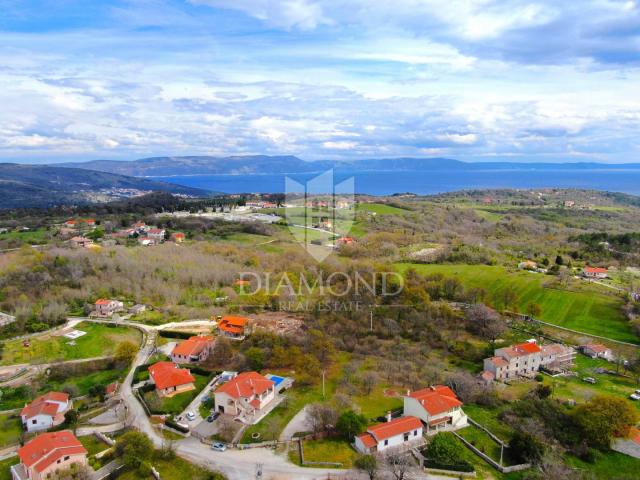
559 260
255 358
485 322
398 466
534 309
125 352
368 464
369 381
222 351
444 449
321 417
71 418
603 418
350 424
524 447
135 448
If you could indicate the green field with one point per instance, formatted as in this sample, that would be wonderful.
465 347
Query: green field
584 307
575 388
174 469
32 237
381 209
92 444
10 430
325 450
5 465
100 340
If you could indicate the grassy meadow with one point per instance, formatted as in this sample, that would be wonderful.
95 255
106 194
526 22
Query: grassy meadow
584 307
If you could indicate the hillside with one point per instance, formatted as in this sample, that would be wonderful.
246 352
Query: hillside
265 164
47 186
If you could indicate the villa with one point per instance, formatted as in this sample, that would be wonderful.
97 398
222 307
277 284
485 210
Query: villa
595 272
47 454
106 308
246 395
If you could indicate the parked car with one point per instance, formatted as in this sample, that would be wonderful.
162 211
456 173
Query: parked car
213 416
635 396
191 416
589 380
219 447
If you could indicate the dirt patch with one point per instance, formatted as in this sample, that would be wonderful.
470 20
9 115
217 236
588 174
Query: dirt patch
282 323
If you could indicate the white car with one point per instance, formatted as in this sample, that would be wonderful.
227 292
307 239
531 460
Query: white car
191 416
635 396
219 447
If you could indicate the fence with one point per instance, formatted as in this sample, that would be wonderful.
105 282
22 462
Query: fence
491 461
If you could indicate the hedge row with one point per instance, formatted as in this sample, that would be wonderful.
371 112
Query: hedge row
171 424
458 467
174 334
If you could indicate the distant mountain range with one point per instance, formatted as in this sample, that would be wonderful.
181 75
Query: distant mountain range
48 186
263 164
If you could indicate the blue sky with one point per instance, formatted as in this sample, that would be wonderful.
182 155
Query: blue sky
476 80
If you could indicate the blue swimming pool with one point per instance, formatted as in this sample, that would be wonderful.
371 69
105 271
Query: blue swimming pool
276 379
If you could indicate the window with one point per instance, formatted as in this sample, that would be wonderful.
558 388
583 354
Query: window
386 442
415 433
406 437
34 421
66 458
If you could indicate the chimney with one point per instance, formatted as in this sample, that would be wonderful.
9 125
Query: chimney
388 416
408 392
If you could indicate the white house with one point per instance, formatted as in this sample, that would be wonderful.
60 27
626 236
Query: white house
595 272
597 350
401 432
45 411
247 395
438 407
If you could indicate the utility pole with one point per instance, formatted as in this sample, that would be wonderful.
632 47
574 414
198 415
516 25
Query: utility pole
258 471
323 372
371 320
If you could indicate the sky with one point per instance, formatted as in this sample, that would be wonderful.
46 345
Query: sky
475 80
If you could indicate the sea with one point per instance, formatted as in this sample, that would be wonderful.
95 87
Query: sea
429 182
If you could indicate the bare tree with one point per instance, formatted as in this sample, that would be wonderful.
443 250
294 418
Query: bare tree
321 417
398 466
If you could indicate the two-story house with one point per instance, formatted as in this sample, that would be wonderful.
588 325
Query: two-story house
248 394
106 308
437 407
45 411
521 360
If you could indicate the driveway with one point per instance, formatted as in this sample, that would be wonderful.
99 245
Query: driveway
297 424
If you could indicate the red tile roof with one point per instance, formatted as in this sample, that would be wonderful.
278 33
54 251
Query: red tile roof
111 388
596 347
246 385
192 346
398 426
437 399
168 375
233 324
103 301
46 448
595 270
499 361
368 440
521 349
44 404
